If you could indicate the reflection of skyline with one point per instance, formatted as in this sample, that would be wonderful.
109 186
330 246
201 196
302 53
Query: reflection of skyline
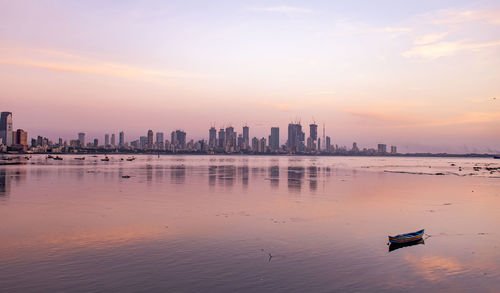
4 183
295 175
6 178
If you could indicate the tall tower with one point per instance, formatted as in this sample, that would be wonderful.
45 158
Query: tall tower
106 140
81 139
150 139
113 139
274 139
246 136
122 139
212 137
6 128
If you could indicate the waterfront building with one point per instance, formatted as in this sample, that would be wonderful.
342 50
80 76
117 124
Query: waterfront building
180 139
255 144
381 148
222 138
328 144
106 140
143 142
20 139
355 148
81 139
150 140
159 141
6 128
262 146
394 149
246 136
212 137
295 142
121 142
274 139
113 140
96 142
313 135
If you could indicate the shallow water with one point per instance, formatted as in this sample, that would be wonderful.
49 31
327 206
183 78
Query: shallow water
248 224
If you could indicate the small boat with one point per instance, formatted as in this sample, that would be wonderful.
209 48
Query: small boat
106 159
407 238
130 159
80 158
57 158
496 157
394 246
50 157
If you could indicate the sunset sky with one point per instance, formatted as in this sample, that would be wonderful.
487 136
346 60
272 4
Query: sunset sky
422 75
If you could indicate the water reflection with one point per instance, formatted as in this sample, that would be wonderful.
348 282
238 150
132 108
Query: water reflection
178 174
394 246
338 225
212 175
313 176
274 176
4 183
295 176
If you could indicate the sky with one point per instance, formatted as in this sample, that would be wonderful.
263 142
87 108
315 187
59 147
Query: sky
422 75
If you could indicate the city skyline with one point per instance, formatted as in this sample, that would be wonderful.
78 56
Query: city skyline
423 76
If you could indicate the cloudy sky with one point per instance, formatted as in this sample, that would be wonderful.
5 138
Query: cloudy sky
423 75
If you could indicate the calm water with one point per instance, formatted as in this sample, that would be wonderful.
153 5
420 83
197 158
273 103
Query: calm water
248 224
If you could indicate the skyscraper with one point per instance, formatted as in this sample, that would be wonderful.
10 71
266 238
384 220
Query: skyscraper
313 135
6 128
246 136
230 138
180 139
81 139
382 148
328 144
295 141
150 139
159 141
274 139
21 138
106 140
122 139
113 140
222 138
212 137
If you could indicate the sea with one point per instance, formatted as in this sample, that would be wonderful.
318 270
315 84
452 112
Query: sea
231 223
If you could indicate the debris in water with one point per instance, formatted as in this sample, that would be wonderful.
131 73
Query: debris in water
447 204
125 176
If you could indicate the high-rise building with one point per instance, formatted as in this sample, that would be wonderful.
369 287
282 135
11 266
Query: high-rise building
6 128
255 144
113 140
313 138
246 136
212 137
122 139
81 139
180 137
230 138
355 148
394 149
328 144
262 145
274 139
381 148
222 138
295 141
96 142
159 141
143 142
150 139
20 138
106 140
